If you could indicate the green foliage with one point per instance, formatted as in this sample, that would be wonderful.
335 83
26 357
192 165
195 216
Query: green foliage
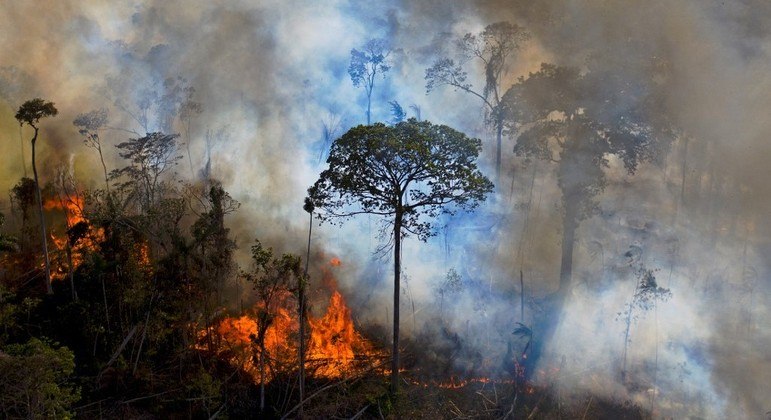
24 195
8 243
34 380
415 169
33 110
273 278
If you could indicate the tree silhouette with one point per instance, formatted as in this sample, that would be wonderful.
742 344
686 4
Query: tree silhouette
577 121
149 157
365 66
410 172
492 48
30 113
89 125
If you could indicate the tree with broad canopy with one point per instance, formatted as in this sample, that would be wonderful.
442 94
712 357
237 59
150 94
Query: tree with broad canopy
411 173
30 113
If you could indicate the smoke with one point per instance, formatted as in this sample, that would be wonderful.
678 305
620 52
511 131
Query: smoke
269 73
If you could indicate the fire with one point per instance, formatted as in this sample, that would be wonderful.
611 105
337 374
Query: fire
333 346
334 340
335 262
71 254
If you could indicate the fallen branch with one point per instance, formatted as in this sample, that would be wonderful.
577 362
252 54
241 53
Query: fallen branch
587 407
357 415
511 410
147 397
117 352
535 410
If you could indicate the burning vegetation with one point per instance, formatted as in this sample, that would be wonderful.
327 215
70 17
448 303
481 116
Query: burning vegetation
335 349
535 223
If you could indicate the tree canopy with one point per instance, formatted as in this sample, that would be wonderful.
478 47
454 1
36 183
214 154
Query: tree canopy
492 49
33 110
413 168
365 66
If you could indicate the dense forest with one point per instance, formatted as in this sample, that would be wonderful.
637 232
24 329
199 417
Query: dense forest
499 209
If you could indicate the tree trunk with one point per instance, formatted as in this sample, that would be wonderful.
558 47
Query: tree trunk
498 145
262 374
547 326
369 104
23 163
301 296
49 289
104 168
397 275
569 225
71 273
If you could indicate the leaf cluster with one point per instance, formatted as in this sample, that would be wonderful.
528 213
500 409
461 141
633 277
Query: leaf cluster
577 120
367 62
412 169
33 110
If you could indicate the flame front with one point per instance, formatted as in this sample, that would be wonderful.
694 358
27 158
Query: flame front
334 342
334 346
71 247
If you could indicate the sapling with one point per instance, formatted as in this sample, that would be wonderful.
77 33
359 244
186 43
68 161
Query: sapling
647 292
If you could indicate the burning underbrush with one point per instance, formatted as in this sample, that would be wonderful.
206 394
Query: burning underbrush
346 368
78 236
334 347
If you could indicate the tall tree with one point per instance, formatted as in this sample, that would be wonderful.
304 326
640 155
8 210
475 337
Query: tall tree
410 173
577 121
150 158
30 113
89 125
491 48
366 64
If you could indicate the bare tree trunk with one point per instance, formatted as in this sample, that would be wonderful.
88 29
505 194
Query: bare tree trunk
262 374
369 105
301 293
522 296
49 289
684 172
397 275
569 226
106 311
71 272
21 141
498 145
547 326
104 168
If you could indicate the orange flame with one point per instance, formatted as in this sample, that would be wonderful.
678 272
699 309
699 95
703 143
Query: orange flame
71 257
332 349
334 339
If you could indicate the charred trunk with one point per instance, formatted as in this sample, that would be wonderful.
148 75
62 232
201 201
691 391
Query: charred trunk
397 275
49 289
545 328
498 145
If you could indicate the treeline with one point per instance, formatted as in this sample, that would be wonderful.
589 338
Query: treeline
114 321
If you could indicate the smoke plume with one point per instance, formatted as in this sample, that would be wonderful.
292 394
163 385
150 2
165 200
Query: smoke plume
270 75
